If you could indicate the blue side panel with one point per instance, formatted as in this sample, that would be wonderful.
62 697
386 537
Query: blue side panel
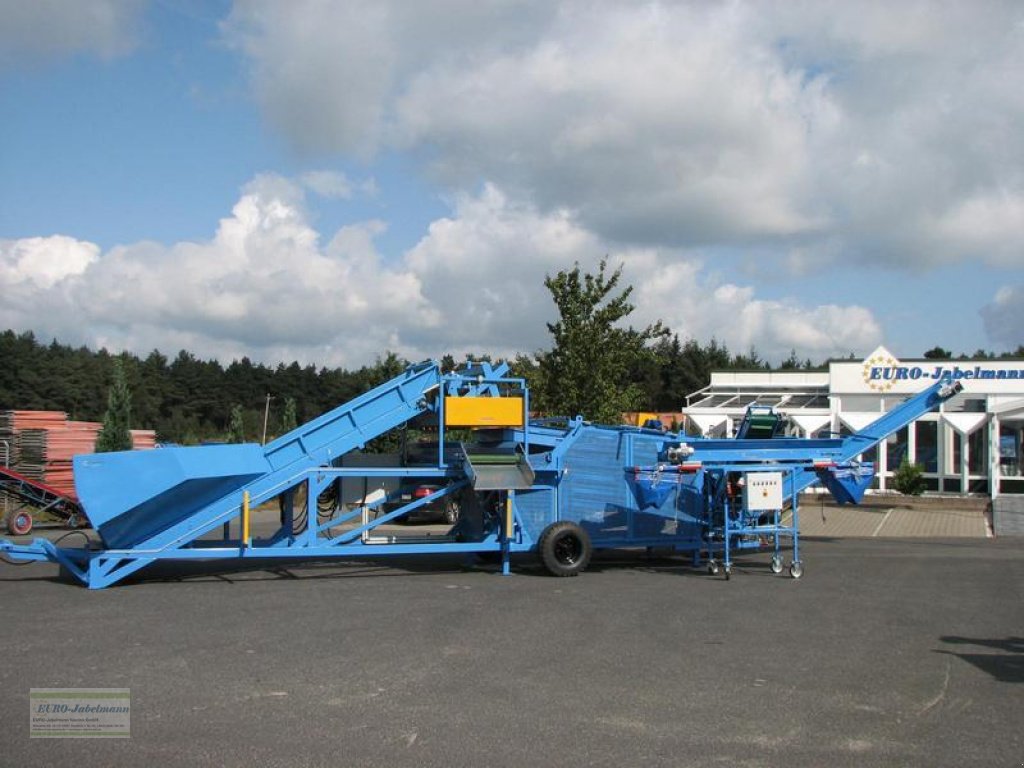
593 491
645 449
596 493
536 509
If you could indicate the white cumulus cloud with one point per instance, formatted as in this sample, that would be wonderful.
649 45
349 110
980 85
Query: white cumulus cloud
1004 317
818 132
42 262
263 286
268 285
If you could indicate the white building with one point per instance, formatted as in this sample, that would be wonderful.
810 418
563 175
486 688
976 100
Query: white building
971 445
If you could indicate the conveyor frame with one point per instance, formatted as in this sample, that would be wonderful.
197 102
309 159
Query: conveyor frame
578 475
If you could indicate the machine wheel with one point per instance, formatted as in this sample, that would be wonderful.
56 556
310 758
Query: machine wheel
451 511
776 564
796 570
712 567
565 549
19 522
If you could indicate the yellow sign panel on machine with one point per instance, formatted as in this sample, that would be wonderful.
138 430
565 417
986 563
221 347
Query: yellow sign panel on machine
483 411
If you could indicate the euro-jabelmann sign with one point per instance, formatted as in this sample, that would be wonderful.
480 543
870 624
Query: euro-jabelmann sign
936 372
881 372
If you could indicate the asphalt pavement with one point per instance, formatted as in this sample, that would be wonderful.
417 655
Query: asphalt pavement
887 652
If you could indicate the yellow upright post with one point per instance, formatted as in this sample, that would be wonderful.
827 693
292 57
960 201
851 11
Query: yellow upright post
509 526
245 518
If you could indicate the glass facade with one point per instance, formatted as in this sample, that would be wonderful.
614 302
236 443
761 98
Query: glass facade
926 450
896 446
1010 463
978 459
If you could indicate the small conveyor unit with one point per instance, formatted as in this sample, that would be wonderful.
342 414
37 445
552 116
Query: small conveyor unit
35 495
557 490
760 422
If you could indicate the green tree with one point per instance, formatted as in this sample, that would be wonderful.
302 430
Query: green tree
236 426
115 434
289 419
749 362
937 353
588 370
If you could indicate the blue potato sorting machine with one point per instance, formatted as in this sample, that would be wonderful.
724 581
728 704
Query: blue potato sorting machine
558 489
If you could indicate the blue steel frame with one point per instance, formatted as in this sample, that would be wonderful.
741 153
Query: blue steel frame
740 530
101 568
306 456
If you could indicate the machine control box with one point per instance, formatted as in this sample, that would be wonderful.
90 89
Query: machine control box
763 491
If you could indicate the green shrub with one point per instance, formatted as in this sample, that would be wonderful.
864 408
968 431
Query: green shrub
909 479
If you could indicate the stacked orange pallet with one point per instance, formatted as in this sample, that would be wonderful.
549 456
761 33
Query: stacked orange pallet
62 444
14 423
143 439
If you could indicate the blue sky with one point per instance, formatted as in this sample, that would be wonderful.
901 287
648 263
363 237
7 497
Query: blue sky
328 181
156 144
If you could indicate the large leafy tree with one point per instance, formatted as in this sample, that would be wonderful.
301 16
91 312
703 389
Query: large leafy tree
589 370
115 434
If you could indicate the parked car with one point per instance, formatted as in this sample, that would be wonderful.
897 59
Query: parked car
444 508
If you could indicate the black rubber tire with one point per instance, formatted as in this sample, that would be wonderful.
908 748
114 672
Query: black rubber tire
565 549
19 522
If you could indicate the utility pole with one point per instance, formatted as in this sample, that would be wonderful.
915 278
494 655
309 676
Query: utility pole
266 417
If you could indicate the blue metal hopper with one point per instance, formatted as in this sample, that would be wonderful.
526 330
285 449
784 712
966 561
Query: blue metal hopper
652 486
131 495
847 483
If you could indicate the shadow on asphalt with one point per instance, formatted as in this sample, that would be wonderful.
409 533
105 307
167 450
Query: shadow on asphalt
1007 667
273 569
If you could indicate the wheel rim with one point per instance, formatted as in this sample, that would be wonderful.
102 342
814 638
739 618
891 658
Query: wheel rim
22 522
451 513
567 550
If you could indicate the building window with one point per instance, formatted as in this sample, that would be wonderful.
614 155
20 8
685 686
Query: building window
926 433
869 456
978 459
1010 464
896 449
